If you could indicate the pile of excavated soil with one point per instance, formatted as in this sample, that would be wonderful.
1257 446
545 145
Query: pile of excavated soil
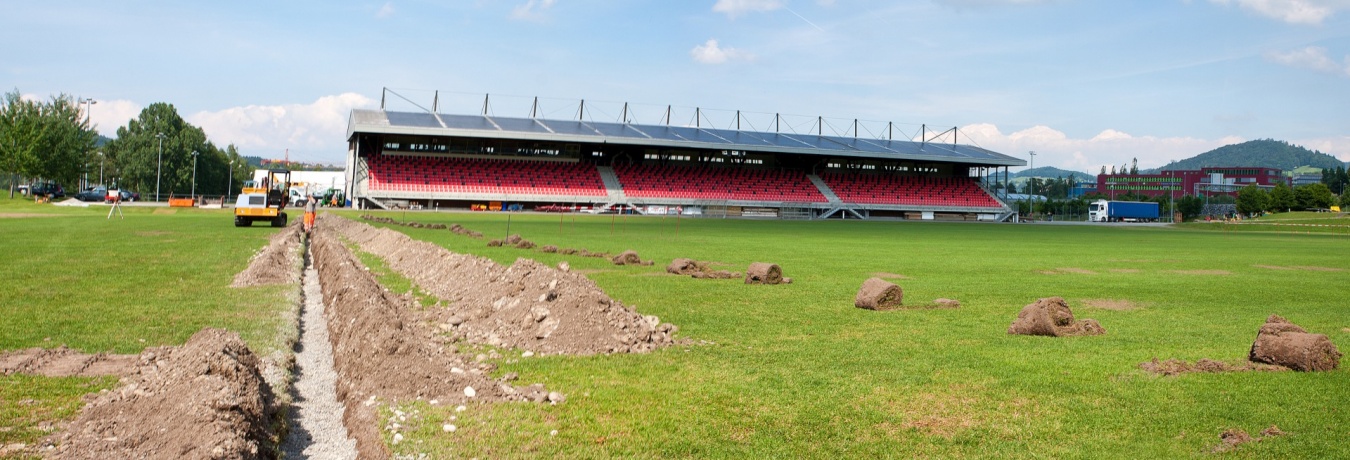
65 362
455 228
1283 343
629 257
698 269
383 351
1233 437
765 273
878 294
275 263
205 399
1051 317
528 305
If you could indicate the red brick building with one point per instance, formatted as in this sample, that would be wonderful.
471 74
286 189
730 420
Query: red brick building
1178 183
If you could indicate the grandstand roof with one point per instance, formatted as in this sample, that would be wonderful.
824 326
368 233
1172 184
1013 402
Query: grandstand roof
664 136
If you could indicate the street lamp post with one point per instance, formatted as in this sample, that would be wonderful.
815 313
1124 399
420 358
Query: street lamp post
100 169
159 168
229 184
194 175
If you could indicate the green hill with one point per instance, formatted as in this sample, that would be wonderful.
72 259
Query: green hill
1266 153
1045 172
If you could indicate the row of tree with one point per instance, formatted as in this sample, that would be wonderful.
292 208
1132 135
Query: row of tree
1252 200
53 141
1336 179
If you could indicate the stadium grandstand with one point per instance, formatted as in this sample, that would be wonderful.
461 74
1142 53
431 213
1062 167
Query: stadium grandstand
428 159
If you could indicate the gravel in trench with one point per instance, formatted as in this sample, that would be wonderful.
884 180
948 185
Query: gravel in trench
316 417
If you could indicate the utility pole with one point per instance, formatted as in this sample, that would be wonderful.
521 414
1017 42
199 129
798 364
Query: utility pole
1031 197
194 176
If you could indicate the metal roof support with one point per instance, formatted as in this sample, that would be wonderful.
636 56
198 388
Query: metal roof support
923 136
855 128
667 115
581 110
382 91
955 133
436 101
890 131
624 117
820 125
738 120
698 114
485 104
775 123
534 109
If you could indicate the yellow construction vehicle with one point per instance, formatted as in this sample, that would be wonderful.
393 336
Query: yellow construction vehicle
264 200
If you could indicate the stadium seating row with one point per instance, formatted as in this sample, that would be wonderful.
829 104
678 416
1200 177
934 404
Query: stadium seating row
521 177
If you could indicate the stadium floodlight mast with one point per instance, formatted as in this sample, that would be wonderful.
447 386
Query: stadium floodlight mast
1031 197
229 184
159 168
100 168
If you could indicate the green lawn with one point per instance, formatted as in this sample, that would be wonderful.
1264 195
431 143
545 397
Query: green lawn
71 276
797 371
783 371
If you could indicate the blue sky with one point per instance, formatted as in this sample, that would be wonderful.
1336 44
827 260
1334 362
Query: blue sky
1082 83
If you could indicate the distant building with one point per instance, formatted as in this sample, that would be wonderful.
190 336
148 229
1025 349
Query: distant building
1306 179
1205 182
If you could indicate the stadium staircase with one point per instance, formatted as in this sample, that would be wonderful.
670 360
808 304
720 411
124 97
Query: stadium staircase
612 187
836 205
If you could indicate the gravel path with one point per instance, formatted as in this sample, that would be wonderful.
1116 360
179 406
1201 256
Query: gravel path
316 417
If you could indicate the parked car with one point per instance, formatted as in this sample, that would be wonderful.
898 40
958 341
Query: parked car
49 188
128 195
92 194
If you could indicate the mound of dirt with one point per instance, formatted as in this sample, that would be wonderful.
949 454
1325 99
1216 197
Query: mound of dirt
65 362
386 352
943 302
528 305
697 269
878 294
275 263
1286 344
764 273
629 257
205 399
1231 438
1051 317
548 249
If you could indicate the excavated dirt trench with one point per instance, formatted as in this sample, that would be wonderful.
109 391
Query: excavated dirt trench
315 419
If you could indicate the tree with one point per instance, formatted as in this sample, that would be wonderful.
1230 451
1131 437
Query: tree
1134 166
1251 200
1012 188
1281 198
48 140
1103 170
1314 196
1190 207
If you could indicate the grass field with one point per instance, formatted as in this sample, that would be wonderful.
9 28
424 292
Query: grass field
794 370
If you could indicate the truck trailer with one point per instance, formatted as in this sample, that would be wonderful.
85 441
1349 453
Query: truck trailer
1122 211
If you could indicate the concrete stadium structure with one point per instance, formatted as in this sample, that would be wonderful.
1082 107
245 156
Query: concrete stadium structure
436 160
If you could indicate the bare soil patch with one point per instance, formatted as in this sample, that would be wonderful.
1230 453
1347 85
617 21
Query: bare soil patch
1283 343
1202 272
1123 270
1075 270
698 269
527 305
205 399
1231 438
1112 304
65 362
153 233
18 215
1173 367
1300 267
886 275
275 263
1052 317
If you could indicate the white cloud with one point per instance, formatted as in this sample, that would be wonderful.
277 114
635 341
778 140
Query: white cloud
532 10
107 116
734 8
711 52
1109 147
386 10
268 130
1312 57
1290 11
1338 146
